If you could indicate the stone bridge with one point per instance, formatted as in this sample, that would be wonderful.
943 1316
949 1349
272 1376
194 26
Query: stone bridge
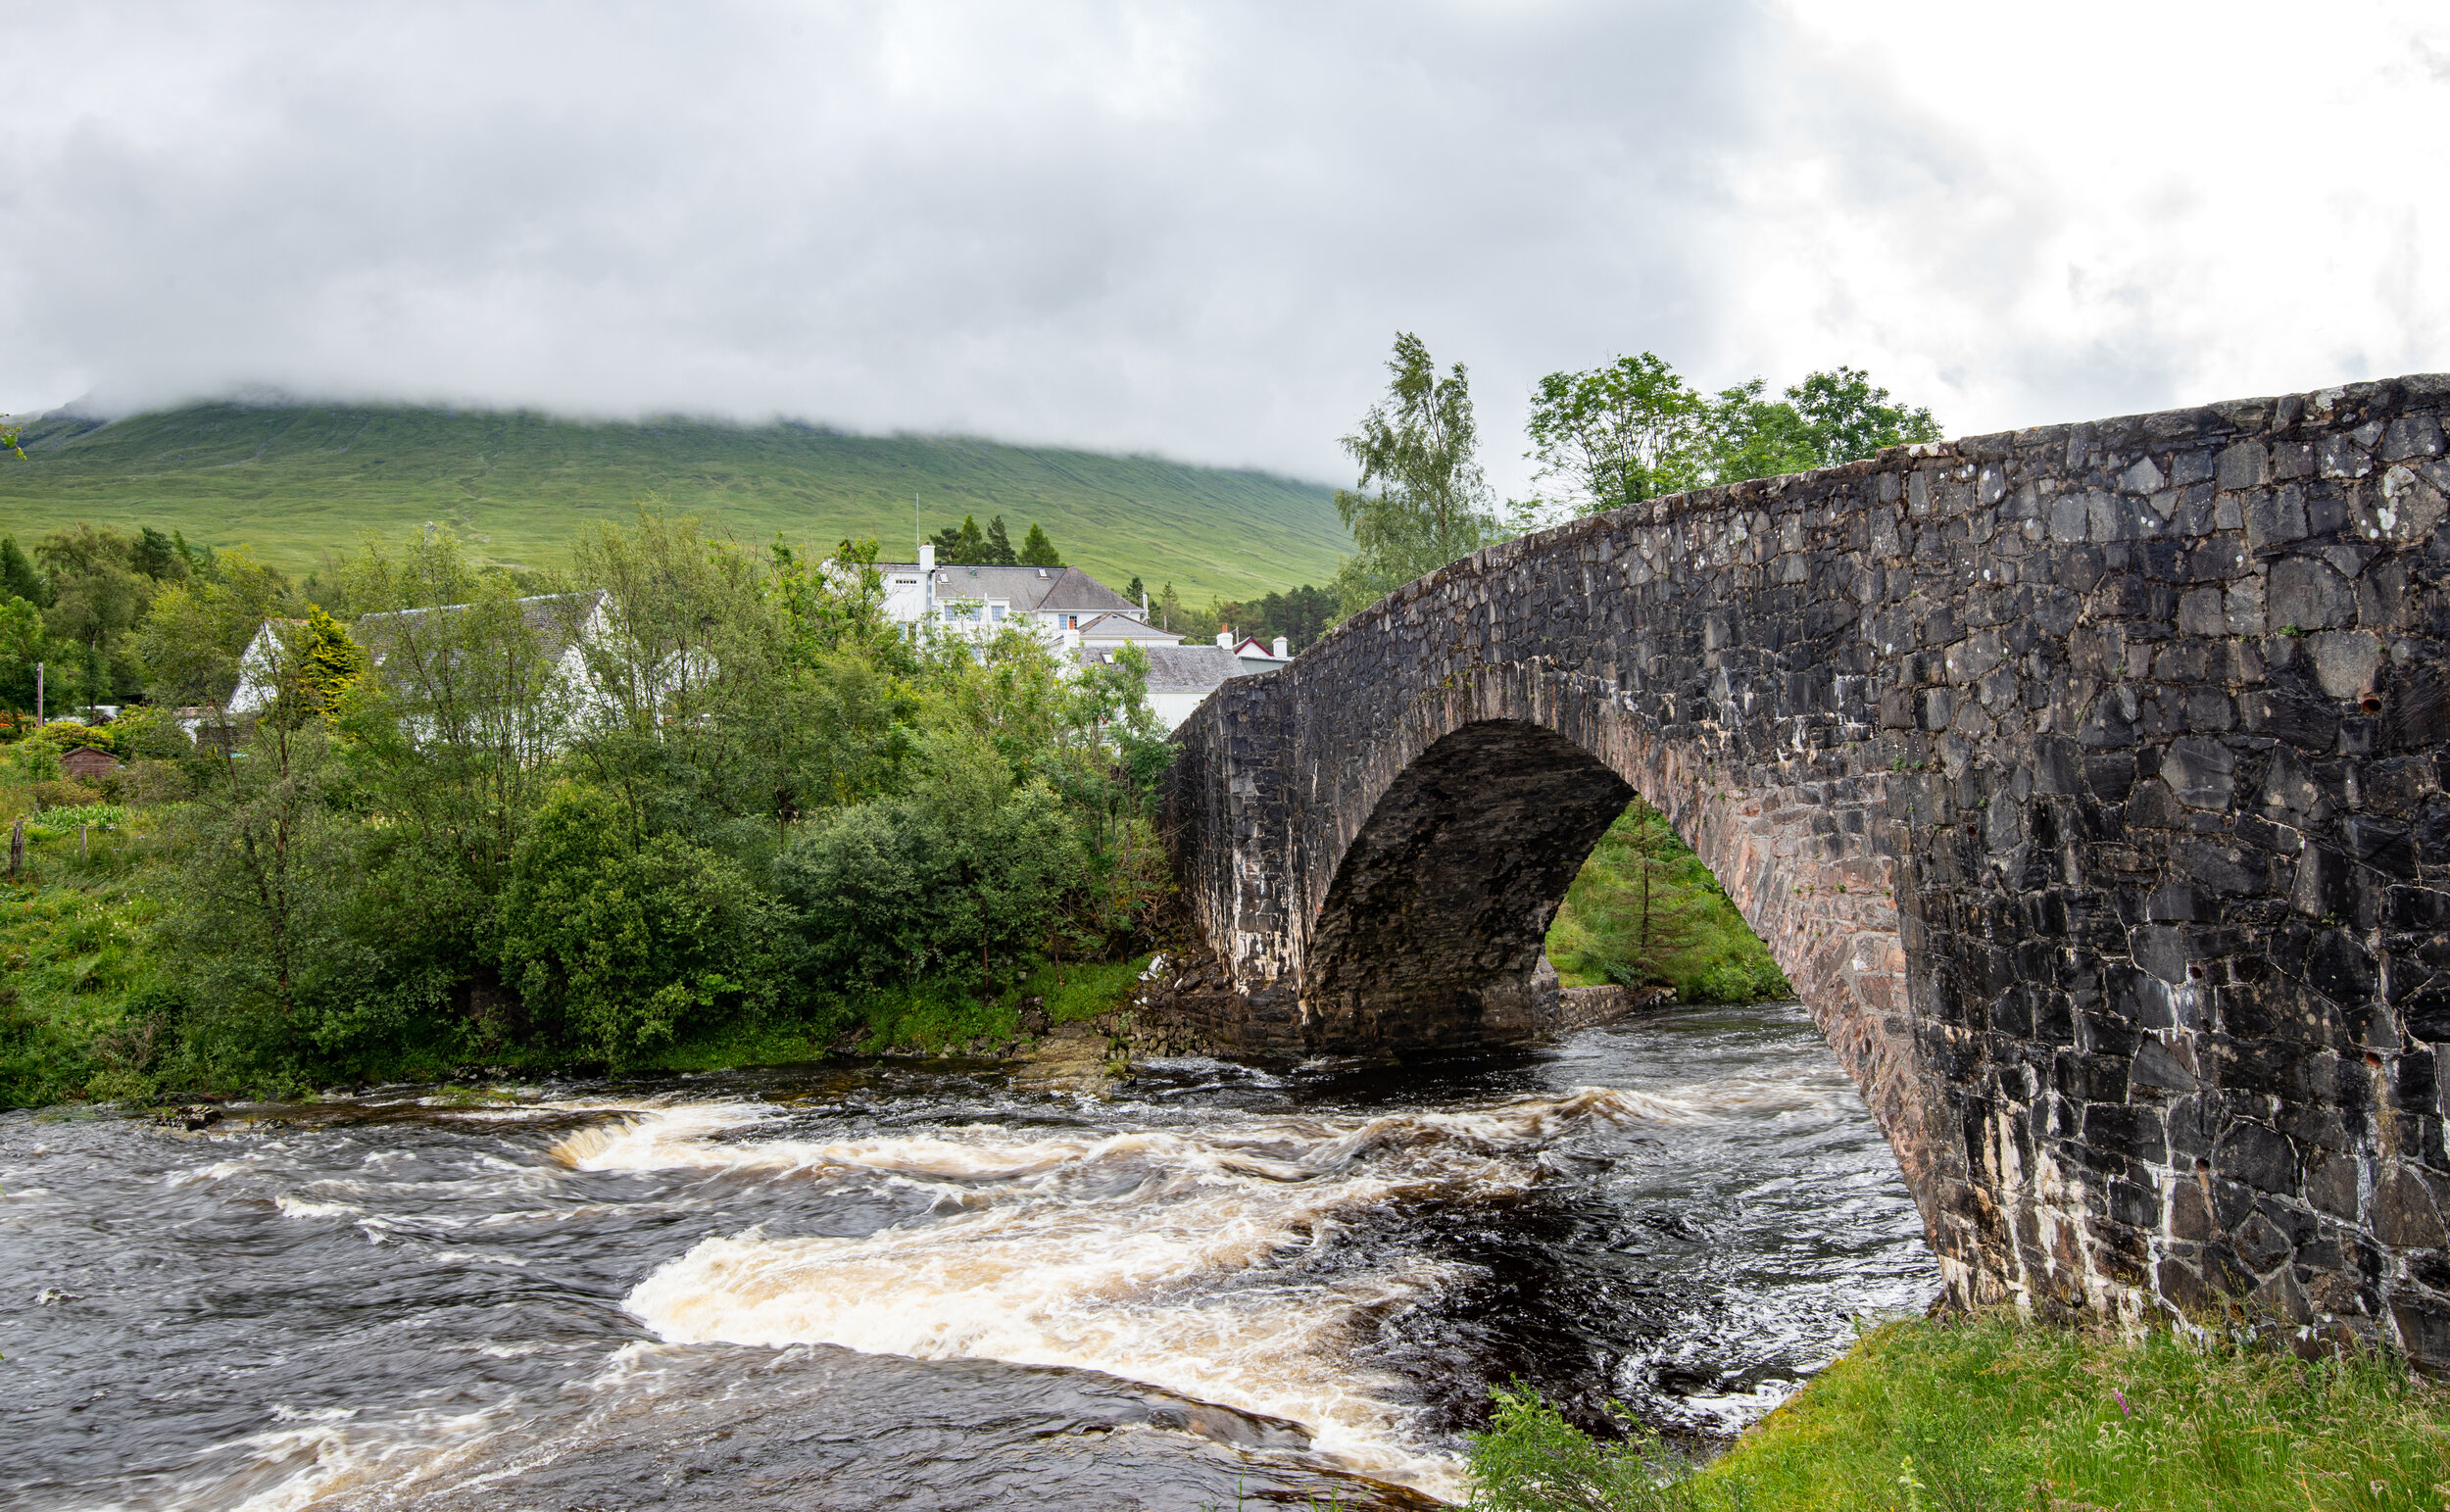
2089 782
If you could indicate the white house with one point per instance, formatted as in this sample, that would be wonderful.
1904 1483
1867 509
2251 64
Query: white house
980 600
414 652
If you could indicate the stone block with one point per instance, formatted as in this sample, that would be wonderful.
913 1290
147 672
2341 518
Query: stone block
2243 464
2274 518
2201 773
2306 594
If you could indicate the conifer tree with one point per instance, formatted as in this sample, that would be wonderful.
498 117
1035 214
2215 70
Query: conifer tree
1037 551
999 553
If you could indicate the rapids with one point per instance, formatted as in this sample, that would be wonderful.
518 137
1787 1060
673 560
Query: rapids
915 1286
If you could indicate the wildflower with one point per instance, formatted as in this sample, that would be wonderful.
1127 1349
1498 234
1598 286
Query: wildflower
2123 1410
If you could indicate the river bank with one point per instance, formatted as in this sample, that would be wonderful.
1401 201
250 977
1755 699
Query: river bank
1998 1412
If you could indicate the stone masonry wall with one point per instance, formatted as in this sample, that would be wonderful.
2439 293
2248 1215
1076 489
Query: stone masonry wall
2089 782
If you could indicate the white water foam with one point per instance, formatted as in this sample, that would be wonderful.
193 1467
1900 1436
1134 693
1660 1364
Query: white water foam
1161 1255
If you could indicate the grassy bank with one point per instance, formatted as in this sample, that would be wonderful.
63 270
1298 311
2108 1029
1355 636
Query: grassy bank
1997 1414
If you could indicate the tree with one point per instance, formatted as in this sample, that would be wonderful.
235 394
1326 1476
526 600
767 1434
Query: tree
192 641
1619 434
1849 419
1634 430
999 553
1751 437
630 946
968 866
1135 590
156 556
19 578
1170 607
1301 615
1420 502
1645 910
961 546
21 646
1038 552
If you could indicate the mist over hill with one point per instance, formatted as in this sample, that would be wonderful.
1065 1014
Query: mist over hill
295 480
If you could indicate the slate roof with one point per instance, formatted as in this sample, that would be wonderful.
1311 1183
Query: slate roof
1061 591
554 616
1189 668
1126 627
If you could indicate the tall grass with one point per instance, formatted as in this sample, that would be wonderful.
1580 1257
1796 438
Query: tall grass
1995 1412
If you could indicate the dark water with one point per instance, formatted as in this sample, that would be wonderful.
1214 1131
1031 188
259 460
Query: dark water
918 1287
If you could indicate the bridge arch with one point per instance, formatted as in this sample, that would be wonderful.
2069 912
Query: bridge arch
2091 784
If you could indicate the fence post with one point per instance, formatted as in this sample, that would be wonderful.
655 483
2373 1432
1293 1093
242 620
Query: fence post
81 840
17 848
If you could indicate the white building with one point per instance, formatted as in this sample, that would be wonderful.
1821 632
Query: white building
1181 677
1057 603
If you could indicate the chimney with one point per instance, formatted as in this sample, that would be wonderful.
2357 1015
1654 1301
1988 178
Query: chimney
927 578
1280 650
1225 639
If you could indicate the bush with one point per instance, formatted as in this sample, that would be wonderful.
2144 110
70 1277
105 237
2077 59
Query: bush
967 867
631 945
66 735
63 795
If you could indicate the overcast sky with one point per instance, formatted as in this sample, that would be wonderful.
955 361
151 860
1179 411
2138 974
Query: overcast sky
1194 230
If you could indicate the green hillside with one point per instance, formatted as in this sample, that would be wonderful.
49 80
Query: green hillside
295 480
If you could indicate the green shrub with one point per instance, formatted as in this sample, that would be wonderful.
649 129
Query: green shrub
632 945
967 868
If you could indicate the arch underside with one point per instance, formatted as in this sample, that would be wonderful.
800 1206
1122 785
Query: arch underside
1432 931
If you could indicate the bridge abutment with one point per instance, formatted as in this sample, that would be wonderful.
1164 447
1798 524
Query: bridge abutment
2087 782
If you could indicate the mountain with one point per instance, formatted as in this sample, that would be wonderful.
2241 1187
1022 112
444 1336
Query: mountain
295 480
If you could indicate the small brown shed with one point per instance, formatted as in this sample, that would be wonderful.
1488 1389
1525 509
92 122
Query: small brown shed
86 764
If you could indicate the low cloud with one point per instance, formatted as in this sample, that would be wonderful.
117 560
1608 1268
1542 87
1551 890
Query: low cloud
1195 231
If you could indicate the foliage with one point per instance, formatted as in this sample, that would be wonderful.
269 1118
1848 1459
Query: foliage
1530 1459
1618 434
967 865
1420 502
1634 430
1644 912
688 796
1994 1412
310 479
1038 550
75 943
631 944
1301 615
67 734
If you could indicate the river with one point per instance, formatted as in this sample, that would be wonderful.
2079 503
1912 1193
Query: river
915 1286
